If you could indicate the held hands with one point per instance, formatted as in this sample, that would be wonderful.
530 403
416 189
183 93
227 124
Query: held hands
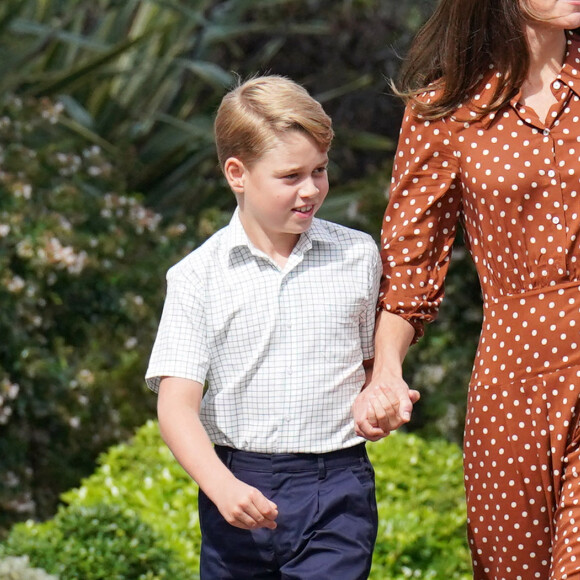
383 407
243 506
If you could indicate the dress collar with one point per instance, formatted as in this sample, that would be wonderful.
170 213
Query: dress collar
568 75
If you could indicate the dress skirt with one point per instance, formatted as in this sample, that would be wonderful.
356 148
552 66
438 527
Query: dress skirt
521 452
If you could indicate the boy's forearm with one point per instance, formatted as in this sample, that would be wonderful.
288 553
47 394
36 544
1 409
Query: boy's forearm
240 504
184 434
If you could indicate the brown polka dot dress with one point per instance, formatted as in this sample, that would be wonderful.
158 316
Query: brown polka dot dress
514 183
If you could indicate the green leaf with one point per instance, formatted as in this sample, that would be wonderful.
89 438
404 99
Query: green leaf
209 72
70 79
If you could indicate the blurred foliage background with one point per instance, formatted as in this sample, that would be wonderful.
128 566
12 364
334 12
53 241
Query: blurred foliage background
108 176
140 496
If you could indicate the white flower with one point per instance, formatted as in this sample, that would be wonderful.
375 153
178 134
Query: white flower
23 190
64 256
86 377
16 284
13 390
5 413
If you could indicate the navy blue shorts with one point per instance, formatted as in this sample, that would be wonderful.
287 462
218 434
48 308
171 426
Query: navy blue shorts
327 519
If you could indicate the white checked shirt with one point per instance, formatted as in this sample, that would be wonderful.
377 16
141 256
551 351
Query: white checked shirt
281 350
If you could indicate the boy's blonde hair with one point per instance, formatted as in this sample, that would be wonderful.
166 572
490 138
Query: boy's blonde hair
257 111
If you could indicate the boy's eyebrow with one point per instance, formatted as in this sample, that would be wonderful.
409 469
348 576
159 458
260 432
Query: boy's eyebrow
297 168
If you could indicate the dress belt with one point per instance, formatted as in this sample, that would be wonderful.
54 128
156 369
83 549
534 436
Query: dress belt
529 334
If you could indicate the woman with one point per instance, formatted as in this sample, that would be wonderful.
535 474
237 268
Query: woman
491 138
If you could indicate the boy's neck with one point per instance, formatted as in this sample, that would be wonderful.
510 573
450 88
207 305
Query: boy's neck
278 247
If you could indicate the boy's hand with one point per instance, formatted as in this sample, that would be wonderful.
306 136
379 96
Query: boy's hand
383 407
243 506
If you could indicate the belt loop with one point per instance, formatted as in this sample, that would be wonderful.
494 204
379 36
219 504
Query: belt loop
321 468
229 457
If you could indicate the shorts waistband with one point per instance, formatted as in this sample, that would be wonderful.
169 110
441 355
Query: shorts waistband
290 462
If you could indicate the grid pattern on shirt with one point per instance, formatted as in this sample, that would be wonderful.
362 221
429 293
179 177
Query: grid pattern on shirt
281 351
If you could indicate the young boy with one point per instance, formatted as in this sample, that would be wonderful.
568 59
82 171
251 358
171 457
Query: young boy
274 314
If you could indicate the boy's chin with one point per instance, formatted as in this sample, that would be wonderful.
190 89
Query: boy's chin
301 228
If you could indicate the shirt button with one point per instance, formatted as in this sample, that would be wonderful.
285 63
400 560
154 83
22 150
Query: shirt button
288 371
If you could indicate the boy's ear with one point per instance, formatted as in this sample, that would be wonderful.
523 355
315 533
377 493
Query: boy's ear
235 171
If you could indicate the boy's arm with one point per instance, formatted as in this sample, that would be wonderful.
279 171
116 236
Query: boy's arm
178 408
386 402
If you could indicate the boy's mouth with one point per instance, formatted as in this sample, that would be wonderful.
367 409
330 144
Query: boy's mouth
304 209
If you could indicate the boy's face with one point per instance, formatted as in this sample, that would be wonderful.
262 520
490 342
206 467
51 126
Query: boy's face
280 193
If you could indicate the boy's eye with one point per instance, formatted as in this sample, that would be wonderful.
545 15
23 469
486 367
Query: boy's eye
294 176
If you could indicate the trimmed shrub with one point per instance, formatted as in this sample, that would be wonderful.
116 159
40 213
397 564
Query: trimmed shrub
143 476
419 492
422 513
18 568
99 542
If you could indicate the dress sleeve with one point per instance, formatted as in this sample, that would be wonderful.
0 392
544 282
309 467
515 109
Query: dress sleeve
420 221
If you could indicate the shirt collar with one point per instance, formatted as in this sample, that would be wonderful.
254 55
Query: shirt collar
569 75
570 72
318 232
236 236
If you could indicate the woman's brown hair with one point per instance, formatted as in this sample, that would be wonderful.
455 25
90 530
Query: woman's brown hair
455 50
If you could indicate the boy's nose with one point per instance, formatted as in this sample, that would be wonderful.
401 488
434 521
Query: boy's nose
308 189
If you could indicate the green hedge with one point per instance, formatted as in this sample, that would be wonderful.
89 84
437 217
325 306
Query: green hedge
18 568
419 493
98 542
422 515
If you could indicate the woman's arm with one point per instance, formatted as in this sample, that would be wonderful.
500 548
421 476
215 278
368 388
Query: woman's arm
386 402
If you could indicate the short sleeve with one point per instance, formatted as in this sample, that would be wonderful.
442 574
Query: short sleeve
180 348
420 221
